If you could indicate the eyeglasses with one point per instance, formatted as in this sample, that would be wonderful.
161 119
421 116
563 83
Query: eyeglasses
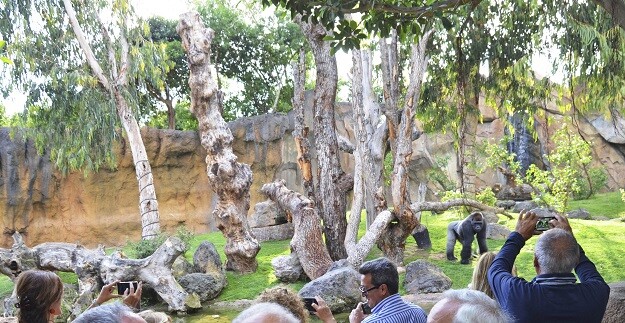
366 291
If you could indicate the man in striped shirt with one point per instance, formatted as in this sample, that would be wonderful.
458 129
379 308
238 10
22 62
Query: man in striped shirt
380 285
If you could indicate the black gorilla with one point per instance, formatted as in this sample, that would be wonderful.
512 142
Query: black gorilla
463 231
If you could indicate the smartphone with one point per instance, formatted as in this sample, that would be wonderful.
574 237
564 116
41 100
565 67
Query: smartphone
365 308
308 301
123 286
543 223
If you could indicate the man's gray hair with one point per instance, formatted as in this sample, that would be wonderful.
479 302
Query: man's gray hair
266 312
109 313
557 252
476 307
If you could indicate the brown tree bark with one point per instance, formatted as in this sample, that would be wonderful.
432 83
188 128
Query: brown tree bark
148 205
94 268
307 242
332 206
230 179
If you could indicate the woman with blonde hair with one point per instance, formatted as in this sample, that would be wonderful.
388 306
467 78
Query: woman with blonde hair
479 280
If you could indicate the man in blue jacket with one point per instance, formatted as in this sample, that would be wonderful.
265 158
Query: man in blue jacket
553 295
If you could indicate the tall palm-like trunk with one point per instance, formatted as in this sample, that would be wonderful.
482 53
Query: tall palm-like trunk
148 205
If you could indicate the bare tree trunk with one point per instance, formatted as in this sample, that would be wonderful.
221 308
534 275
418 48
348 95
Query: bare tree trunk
393 241
332 205
307 242
230 179
300 133
148 204
94 268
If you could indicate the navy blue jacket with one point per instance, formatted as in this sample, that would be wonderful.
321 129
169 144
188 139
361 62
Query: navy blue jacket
551 297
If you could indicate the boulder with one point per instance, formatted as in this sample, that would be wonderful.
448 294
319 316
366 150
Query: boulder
182 267
339 288
506 204
615 311
287 268
490 217
267 213
543 212
579 214
521 192
497 231
524 205
425 277
206 259
206 286
274 232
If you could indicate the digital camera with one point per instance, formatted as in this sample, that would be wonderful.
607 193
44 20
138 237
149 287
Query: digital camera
543 223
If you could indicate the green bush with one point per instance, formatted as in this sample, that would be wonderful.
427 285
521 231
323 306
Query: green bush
145 248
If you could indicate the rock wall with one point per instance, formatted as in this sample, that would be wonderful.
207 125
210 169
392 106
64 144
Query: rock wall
103 207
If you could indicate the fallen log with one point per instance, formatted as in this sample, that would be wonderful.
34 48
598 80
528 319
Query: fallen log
94 269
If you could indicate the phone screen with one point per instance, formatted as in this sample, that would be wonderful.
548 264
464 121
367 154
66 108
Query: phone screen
308 301
123 286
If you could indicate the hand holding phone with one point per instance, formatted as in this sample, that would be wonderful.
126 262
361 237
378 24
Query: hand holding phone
123 286
308 301
366 309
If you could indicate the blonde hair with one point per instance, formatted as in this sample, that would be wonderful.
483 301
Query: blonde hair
479 280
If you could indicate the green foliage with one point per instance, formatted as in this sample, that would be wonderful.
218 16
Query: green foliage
144 248
486 196
387 171
438 174
252 55
185 120
4 59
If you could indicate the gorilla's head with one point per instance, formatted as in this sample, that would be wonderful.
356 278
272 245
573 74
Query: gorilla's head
477 221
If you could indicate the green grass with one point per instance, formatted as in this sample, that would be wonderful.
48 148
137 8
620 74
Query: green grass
603 242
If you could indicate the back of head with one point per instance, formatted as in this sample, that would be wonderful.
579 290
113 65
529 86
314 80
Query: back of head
382 271
287 298
557 252
479 280
472 306
266 313
110 313
36 291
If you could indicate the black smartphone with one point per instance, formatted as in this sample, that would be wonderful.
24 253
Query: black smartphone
543 223
123 286
308 301
365 308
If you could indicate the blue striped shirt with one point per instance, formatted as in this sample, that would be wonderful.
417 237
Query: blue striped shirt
393 309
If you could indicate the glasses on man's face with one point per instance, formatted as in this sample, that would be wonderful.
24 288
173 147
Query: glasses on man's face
365 292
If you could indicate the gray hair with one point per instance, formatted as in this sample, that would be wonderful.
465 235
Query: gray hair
382 271
266 312
557 252
476 307
109 313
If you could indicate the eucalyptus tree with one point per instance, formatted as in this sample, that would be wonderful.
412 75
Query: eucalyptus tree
80 64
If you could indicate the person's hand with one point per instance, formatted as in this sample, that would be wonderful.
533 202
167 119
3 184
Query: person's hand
132 297
526 225
357 314
561 222
106 293
322 310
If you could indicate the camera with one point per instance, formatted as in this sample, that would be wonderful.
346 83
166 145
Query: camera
365 308
308 301
123 286
543 223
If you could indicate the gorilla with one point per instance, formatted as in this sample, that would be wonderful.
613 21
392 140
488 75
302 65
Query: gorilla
463 231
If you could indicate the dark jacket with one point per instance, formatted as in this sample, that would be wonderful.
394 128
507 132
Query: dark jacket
551 297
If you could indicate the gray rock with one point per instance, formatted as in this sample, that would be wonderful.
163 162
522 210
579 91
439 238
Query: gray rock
612 130
524 205
521 192
425 277
497 231
506 204
206 286
182 267
274 232
615 311
206 259
579 214
544 212
490 217
267 213
339 288
287 268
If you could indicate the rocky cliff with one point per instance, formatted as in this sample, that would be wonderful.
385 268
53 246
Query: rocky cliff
103 208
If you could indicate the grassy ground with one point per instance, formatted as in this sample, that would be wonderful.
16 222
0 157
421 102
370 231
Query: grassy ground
603 241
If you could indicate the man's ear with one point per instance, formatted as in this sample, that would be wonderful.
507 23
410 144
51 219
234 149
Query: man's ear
384 288
536 265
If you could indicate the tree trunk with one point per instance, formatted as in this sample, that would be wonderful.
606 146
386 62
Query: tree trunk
94 268
307 242
393 241
332 205
229 179
148 204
